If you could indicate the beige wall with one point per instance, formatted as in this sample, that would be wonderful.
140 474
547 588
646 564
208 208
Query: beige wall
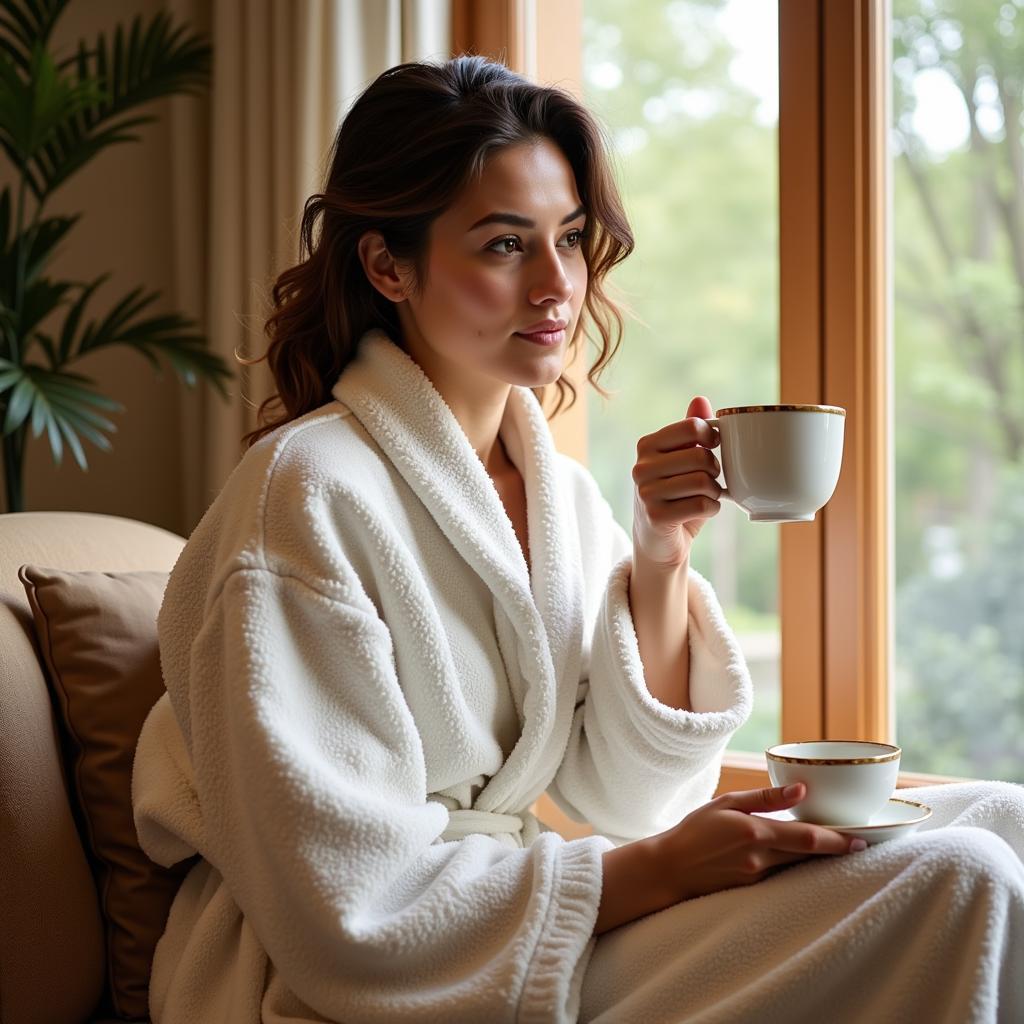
125 198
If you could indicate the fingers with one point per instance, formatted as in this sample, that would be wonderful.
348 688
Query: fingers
678 486
686 433
791 840
686 486
799 839
763 862
700 406
660 465
772 798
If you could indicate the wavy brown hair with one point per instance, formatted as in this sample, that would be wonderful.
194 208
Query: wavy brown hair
410 143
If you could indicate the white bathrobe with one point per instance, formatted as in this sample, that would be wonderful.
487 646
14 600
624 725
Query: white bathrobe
367 689
361 671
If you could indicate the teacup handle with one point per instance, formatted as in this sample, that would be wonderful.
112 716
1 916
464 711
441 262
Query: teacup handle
713 421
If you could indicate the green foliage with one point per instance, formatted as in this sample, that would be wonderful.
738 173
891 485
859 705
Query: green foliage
961 649
54 118
959 439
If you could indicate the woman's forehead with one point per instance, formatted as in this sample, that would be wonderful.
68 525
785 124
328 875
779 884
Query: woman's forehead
534 180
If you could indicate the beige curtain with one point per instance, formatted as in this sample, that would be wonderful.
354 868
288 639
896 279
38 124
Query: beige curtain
245 159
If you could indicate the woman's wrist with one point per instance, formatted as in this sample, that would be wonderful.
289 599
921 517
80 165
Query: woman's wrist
636 882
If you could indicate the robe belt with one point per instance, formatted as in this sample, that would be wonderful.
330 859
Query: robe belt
462 823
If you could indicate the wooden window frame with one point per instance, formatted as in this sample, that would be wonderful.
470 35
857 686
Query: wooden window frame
835 331
834 348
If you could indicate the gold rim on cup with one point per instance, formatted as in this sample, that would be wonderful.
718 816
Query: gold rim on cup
893 824
892 753
835 410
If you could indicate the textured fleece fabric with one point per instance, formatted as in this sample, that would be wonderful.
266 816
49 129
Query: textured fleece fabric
367 689
927 929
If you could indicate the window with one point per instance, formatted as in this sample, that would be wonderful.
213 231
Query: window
689 92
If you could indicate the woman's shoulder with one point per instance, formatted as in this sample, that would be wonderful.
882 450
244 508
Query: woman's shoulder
290 489
325 449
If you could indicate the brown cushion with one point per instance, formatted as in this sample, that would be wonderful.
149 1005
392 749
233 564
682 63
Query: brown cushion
97 635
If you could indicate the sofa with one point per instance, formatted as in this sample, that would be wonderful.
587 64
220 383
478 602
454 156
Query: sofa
54 938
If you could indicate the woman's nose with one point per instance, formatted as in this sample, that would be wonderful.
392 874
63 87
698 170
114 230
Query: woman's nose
551 283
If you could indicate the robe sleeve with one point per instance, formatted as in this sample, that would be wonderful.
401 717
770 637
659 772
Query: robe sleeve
634 766
309 800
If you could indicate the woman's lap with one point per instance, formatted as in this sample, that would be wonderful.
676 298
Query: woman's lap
913 929
995 806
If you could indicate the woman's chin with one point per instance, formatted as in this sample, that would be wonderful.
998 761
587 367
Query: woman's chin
540 373
538 381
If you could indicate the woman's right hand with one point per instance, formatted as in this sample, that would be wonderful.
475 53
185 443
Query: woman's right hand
720 845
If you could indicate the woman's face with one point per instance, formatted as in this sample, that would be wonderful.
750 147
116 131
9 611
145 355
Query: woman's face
503 263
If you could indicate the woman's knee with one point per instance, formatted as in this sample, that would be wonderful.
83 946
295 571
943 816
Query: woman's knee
975 857
1002 799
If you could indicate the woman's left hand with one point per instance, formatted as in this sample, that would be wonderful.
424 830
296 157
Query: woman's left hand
675 489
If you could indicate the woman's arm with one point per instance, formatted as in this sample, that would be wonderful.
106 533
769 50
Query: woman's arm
634 765
641 756
675 491
658 604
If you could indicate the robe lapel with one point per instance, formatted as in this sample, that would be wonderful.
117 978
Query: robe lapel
557 574
403 412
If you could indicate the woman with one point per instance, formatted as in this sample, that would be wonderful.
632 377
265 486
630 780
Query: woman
406 617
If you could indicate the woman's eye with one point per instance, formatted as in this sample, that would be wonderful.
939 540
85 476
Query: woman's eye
511 244
509 240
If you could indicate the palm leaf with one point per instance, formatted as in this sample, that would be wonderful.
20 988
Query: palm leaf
151 62
59 159
46 342
58 403
190 357
32 109
107 331
43 240
8 330
10 374
40 242
23 23
26 172
70 327
40 299
170 335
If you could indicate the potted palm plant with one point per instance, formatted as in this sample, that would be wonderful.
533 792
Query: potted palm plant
55 116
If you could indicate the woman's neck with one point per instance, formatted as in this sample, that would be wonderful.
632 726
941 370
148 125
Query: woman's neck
481 423
477 403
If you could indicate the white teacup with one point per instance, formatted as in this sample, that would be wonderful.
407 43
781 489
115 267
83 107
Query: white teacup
847 780
781 462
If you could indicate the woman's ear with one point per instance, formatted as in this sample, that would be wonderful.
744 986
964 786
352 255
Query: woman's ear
381 268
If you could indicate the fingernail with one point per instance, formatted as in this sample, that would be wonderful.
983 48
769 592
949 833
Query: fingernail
791 791
857 844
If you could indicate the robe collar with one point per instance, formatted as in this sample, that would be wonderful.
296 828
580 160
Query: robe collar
403 412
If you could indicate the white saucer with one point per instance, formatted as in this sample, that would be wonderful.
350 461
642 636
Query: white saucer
894 821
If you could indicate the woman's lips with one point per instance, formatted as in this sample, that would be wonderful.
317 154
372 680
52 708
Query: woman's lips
546 338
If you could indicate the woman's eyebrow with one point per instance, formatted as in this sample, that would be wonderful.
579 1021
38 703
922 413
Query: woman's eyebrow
523 222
